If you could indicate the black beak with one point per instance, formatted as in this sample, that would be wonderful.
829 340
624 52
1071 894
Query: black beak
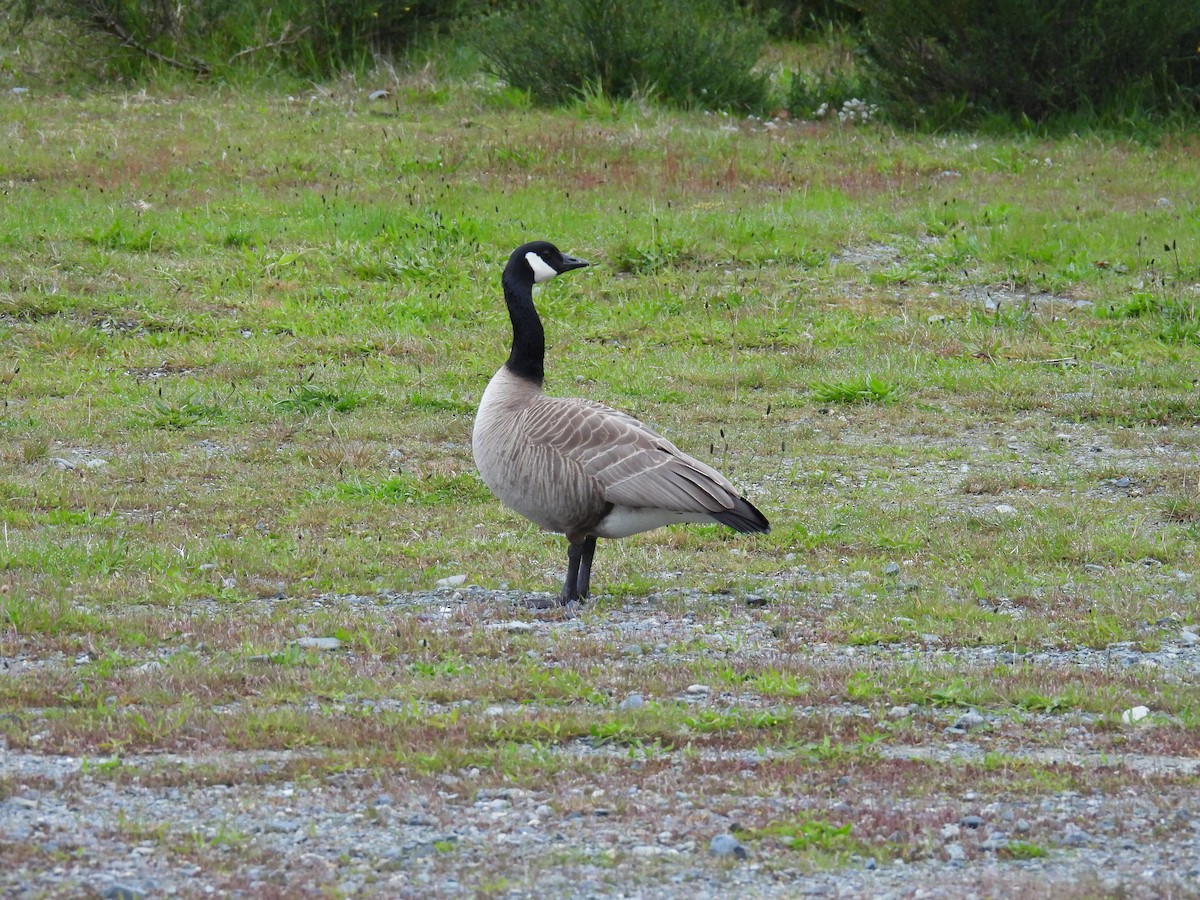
572 262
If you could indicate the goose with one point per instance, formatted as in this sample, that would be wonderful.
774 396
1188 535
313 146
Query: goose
578 467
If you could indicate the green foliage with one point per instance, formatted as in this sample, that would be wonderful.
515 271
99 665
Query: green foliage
799 19
313 38
946 62
695 53
861 389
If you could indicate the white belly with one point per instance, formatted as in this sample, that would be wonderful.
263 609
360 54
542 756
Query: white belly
625 520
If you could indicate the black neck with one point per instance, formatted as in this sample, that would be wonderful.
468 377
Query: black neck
529 339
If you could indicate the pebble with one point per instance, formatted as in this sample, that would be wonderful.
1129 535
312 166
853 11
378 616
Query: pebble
698 688
1005 510
633 701
450 581
121 892
971 821
955 853
969 720
1190 638
632 650
891 568
726 845
318 643
899 712
1074 836
1135 715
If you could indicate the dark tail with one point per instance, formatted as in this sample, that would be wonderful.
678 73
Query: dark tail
744 517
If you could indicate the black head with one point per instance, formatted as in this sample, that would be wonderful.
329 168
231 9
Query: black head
539 261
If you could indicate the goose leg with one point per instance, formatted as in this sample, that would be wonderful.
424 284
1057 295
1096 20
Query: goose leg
584 581
570 590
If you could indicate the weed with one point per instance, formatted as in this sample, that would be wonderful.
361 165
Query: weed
863 389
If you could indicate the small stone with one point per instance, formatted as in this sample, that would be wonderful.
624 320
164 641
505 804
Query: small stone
970 821
544 811
1021 826
121 892
318 643
726 845
698 689
1190 638
632 650
65 464
899 712
1134 715
955 853
633 701
755 601
1074 836
450 581
994 843
869 864
1122 482
377 95
950 830
969 720
1005 510
892 568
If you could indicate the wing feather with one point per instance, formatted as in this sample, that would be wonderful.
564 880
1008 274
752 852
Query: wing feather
628 462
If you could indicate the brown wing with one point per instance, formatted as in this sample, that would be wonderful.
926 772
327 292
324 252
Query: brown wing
630 463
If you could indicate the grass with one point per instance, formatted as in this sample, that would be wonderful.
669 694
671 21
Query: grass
244 336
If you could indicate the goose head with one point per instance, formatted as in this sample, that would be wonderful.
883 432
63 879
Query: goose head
537 262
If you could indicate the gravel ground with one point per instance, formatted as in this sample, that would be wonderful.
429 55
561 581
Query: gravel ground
227 824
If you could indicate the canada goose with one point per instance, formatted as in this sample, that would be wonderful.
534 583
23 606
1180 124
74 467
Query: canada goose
577 467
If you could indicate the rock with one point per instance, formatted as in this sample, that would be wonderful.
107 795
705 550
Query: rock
1135 715
891 568
450 581
955 853
65 464
1005 510
970 821
377 95
544 811
899 712
726 845
698 689
318 643
633 701
756 601
1189 638
994 842
969 720
121 892
1074 836
631 650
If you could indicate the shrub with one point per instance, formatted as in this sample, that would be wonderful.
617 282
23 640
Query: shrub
312 38
692 53
797 19
948 62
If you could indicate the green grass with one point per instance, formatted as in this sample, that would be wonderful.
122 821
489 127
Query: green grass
235 410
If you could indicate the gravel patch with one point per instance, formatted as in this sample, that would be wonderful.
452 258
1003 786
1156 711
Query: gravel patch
679 821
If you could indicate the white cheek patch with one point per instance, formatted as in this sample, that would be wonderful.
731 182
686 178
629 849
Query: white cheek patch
541 268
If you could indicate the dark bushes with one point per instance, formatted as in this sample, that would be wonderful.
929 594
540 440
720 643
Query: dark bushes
313 38
947 62
692 53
